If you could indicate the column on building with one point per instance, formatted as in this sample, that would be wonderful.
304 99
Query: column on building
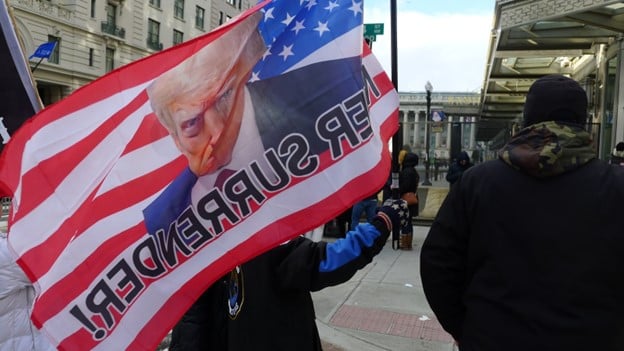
416 130
422 118
438 140
618 116
404 130
473 132
448 134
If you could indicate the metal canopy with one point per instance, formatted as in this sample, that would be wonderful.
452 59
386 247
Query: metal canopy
564 44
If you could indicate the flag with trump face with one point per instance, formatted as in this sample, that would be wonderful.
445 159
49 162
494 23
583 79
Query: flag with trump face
135 193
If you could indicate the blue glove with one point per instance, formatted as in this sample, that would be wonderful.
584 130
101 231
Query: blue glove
398 213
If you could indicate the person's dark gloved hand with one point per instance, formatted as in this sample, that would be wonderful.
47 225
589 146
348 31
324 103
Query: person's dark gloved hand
398 214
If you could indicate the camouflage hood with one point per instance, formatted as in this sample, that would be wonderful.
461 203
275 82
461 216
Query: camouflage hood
548 149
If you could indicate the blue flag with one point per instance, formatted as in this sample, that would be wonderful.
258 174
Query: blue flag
44 50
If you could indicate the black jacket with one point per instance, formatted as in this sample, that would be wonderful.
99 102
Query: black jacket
409 179
275 308
522 259
458 167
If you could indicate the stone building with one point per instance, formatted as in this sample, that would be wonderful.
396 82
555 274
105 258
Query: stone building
452 124
96 36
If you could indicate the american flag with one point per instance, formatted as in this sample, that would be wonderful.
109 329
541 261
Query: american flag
83 170
295 30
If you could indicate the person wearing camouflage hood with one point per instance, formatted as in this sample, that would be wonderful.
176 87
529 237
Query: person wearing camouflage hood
525 253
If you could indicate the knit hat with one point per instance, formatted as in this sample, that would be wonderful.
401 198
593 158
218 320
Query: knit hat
555 98
411 160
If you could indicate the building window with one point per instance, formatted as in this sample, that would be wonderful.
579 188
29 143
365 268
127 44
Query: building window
92 8
55 56
231 2
177 37
153 35
178 9
223 17
91 57
199 17
111 15
155 3
110 59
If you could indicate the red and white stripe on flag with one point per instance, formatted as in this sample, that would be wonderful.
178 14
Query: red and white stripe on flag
82 171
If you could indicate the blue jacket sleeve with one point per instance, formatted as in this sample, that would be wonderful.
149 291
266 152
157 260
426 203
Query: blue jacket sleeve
346 256
313 266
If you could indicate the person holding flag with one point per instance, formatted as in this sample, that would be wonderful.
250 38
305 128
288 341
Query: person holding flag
271 293
219 120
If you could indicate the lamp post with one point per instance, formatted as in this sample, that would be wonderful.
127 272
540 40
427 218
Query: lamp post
428 89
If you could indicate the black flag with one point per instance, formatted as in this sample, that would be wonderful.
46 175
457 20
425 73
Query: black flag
19 96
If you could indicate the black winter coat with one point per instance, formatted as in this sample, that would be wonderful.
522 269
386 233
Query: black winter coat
409 179
276 309
458 167
517 262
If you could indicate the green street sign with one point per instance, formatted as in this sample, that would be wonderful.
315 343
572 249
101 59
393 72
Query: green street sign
373 29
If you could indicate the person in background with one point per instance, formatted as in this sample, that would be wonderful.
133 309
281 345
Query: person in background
458 167
409 179
17 295
406 149
617 157
525 253
265 304
408 191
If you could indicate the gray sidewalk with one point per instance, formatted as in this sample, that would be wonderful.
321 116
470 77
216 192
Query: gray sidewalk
382 307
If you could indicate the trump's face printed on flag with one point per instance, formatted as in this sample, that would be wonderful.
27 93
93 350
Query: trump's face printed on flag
200 101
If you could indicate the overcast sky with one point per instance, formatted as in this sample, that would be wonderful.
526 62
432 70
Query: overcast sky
443 41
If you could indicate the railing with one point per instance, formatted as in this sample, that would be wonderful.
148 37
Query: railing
112 29
154 45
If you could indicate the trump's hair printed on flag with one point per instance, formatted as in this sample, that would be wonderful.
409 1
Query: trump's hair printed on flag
200 102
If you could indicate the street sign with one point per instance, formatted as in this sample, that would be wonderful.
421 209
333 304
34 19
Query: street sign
373 29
